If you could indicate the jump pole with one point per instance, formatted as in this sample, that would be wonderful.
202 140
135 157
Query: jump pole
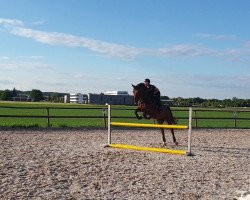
109 125
188 153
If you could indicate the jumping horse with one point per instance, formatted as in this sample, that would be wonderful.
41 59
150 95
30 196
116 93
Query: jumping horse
143 99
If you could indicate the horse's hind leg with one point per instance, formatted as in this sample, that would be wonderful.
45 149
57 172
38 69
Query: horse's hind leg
162 132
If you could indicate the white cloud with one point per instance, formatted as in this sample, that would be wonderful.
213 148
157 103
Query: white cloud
4 57
106 48
32 57
247 44
10 22
110 49
38 22
23 65
203 85
184 50
6 81
16 27
216 37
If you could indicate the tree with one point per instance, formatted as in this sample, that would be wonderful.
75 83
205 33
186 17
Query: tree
55 97
6 95
14 92
36 95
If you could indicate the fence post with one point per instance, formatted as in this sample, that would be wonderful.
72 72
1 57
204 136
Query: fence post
235 119
104 111
48 119
196 120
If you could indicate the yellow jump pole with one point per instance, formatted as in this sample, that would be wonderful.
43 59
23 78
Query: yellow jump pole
150 149
138 125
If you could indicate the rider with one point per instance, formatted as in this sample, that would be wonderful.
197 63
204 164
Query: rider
155 92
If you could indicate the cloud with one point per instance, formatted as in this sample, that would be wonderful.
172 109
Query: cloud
108 49
5 81
16 27
210 81
23 65
90 77
4 57
38 22
32 57
217 37
10 22
247 44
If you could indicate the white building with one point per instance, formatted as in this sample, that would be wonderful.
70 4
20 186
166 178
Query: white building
76 98
116 93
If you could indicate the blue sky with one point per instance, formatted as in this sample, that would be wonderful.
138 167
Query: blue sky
187 48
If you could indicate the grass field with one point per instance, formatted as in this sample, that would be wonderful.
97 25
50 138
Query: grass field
80 122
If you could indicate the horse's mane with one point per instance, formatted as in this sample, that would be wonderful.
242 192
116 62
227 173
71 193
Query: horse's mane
143 92
141 86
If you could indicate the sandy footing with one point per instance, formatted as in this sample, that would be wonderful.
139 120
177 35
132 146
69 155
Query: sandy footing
72 164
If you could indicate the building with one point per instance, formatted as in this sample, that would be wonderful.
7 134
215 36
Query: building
76 98
21 98
66 98
110 99
116 93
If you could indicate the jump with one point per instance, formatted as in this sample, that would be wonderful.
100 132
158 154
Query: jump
148 102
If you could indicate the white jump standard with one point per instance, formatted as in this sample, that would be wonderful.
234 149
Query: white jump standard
140 148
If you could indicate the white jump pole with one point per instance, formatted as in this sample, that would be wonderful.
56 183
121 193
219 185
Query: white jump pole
190 132
109 124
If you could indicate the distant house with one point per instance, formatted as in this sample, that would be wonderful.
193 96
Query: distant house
21 98
116 93
76 98
110 97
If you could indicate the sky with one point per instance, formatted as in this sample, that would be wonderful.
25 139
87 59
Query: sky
186 48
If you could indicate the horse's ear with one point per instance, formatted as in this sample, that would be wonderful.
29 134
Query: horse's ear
133 85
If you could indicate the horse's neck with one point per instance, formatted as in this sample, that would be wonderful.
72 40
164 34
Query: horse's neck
147 101
147 105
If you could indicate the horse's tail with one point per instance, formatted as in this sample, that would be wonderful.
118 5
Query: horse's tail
171 114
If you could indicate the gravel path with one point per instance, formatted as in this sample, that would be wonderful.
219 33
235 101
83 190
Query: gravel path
72 164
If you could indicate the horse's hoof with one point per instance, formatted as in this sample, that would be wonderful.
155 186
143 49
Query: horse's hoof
164 144
176 143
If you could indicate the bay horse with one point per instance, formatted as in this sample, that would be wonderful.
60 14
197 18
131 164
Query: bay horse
144 100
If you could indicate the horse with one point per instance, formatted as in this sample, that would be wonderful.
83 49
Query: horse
145 102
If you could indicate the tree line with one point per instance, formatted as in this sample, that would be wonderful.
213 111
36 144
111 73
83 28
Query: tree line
37 95
215 103
33 95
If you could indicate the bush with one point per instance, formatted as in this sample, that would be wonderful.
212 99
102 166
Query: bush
36 95
6 95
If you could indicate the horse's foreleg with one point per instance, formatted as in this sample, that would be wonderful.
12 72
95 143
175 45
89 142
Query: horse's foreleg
163 137
136 113
174 139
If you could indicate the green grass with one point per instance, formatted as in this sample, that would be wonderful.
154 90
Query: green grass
42 122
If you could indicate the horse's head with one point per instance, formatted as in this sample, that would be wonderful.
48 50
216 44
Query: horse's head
140 93
135 93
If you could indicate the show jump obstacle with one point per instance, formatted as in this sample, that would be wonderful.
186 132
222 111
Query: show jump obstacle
140 148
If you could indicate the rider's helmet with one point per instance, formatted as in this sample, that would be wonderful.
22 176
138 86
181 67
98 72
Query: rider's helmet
147 80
